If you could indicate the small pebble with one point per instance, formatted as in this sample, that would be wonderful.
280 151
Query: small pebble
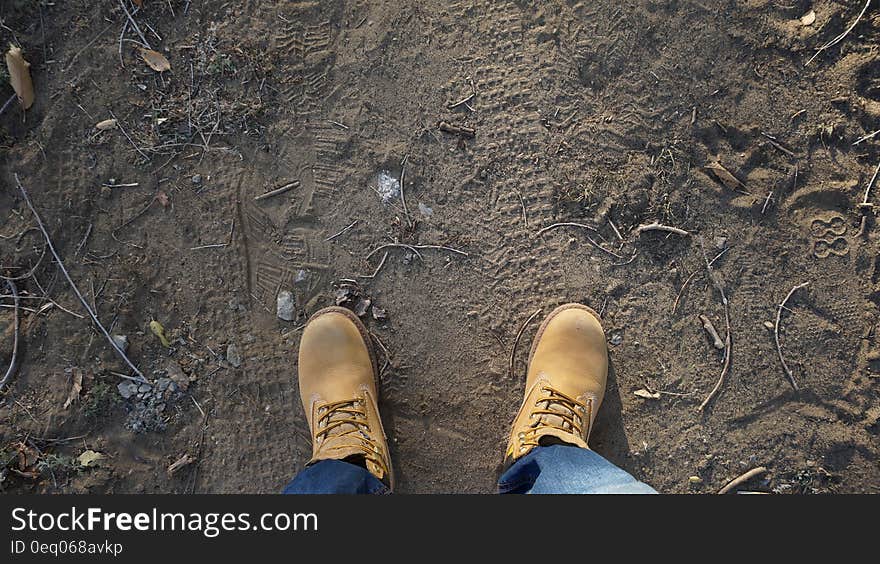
127 389
197 179
233 356
616 339
144 388
286 307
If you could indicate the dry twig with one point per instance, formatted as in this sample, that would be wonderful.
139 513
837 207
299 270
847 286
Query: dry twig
396 245
14 358
344 230
659 227
842 36
728 338
409 221
79 295
378 268
516 341
865 203
742 479
710 330
590 239
277 191
776 333
134 25
691 277
857 141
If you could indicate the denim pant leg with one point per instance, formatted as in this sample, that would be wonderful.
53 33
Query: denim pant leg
335 477
562 469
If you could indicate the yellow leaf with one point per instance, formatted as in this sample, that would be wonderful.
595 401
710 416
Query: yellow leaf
90 458
645 394
159 331
724 176
808 18
106 124
20 76
155 60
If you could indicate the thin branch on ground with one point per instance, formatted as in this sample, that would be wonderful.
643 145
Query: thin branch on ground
218 245
728 338
344 230
567 224
409 220
442 248
13 361
396 246
8 103
70 281
415 249
869 186
124 132
590 239
277 191
738 481
378 268
512 362
842 36
776 333
866 137
691 277
659 227
134 24
30 272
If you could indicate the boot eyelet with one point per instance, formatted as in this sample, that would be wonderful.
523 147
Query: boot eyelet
522 436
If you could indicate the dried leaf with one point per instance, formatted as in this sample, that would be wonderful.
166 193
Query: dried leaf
27 459
808 18
155 60
138 3
75 387
643 393
20 76
725 176
90 458
159 331
106 124
163 199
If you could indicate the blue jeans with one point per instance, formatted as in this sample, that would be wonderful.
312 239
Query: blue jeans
556 469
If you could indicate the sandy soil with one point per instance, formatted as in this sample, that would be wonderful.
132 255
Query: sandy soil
701 116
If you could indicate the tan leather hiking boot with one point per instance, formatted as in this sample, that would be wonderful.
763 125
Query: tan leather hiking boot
337 384
568 367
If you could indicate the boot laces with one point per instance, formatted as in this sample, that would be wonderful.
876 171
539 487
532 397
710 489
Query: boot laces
347 420
554 410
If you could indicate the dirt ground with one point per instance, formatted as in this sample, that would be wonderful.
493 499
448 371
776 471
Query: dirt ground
698 115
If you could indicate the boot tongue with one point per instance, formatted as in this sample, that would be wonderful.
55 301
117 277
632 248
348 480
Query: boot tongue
549 436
